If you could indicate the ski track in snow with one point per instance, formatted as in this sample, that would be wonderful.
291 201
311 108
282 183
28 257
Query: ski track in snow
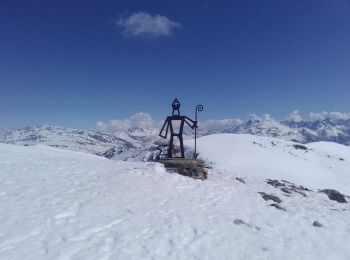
58 204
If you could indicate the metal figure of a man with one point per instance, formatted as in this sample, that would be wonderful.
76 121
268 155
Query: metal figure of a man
175 124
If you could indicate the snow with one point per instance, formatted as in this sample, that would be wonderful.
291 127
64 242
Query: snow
272 158
58 204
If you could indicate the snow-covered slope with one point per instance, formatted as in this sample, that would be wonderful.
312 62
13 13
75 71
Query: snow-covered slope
315 165
58 204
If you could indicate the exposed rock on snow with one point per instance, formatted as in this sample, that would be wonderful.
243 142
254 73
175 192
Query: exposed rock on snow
317 224
334 195
242 222
275 183
188 167
239 222
240 179
300 147
109 153
277 206
288 187
270 197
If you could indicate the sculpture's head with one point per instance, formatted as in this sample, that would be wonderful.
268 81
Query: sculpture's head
176 107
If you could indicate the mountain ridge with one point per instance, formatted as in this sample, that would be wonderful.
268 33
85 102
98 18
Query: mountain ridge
136 143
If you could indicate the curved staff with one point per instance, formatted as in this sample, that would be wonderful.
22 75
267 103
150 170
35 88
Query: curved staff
198 108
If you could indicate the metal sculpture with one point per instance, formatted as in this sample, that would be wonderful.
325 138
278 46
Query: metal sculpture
198 108
175 124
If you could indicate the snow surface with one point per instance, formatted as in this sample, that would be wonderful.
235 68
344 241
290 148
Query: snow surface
324 165
58 204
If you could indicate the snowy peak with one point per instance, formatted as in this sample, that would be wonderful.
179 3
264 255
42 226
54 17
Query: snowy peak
265 127
322 130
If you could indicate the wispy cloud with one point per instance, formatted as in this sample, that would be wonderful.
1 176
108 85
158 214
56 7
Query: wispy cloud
144 24
295 116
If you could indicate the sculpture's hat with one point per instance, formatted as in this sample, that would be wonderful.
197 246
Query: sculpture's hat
176 107
176 104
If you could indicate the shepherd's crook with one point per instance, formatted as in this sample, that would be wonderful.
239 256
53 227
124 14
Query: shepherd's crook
198 108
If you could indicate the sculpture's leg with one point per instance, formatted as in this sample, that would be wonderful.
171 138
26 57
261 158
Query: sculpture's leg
182 146
171 144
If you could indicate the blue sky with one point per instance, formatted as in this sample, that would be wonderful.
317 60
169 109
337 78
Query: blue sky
74 63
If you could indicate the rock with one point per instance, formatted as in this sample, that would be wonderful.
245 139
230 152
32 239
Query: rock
288 187
240 179
238 221
270 197
109 153
286 190
334 195
300 147
204 173
302 193
188 167
317 224
275 183
277 206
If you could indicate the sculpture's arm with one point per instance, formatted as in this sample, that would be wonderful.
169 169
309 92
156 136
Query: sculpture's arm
166 128
190 122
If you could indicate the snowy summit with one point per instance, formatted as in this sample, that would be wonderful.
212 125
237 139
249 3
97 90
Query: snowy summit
256 166
265 198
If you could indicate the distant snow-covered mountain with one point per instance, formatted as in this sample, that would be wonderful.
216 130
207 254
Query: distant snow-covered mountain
131 145
65 138
265 127
303 131
135 143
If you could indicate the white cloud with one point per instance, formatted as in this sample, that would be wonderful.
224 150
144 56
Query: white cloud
268 117
144 24
331 115
254 117
295 116
141 120
136 121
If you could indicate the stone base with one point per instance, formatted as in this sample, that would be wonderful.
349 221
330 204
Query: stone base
187 167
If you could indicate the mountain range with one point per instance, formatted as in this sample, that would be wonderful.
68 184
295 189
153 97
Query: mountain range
331 130
137 143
